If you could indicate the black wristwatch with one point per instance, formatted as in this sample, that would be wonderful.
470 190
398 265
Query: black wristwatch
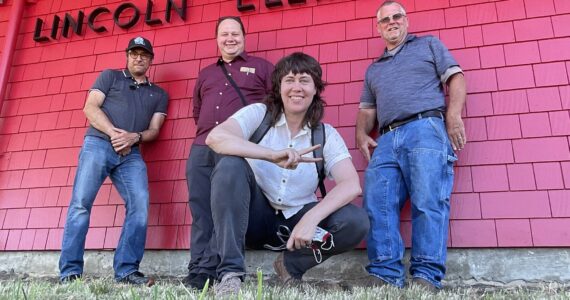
140 138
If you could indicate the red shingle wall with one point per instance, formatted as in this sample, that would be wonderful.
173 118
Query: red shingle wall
513 179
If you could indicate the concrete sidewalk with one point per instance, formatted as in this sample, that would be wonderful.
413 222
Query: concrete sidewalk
497 267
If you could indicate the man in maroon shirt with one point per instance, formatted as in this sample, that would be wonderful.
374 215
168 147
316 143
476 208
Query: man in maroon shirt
215 99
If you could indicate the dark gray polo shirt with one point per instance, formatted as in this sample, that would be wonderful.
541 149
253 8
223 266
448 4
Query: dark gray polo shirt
127 105
408 80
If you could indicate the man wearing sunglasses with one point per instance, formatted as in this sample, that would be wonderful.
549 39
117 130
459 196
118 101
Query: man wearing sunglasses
235 80
414 153
124 109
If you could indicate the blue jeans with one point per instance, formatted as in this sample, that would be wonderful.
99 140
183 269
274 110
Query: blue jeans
416 161
97 160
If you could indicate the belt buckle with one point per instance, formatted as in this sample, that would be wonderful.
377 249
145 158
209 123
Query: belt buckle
390 127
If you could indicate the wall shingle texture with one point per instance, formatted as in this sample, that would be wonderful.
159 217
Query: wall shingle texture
512 186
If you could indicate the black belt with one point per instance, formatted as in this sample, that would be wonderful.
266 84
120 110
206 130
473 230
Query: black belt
425 114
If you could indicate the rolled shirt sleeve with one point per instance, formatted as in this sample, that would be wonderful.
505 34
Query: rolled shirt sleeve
104 82
450 72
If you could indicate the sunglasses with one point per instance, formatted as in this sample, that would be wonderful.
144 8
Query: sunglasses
395 18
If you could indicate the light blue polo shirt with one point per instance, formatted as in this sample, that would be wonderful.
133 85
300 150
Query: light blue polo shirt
409 80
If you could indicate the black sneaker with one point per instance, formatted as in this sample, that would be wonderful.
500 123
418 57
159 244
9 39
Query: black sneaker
70 278
198 281
137 278
188 278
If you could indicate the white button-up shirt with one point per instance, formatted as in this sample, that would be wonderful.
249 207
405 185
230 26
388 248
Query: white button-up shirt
288 190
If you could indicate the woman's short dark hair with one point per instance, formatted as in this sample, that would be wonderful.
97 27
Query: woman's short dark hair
237 19
297 63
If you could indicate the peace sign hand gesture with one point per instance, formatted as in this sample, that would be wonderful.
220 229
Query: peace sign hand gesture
289 158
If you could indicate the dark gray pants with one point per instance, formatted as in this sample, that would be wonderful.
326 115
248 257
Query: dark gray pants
203 255
243 217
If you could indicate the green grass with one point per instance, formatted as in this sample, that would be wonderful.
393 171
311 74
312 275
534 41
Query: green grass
258 288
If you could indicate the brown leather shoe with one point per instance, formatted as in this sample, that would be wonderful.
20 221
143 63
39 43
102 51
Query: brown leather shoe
424 284
282 273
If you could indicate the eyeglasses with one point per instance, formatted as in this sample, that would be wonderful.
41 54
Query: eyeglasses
395 17
143 55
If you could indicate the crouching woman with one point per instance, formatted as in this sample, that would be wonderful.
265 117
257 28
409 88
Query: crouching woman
264 194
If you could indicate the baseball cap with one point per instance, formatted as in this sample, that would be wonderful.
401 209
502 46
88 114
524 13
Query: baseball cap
140 42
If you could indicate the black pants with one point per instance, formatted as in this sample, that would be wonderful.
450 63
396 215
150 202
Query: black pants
243 217
203 255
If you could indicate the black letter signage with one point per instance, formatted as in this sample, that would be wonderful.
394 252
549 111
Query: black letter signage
134 18
69 21
180 11
246 7
268 3
93 15
148 17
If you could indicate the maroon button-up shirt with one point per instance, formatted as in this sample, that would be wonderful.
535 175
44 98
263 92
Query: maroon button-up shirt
215 99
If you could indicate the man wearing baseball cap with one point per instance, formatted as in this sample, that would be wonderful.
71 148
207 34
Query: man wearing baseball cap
124 110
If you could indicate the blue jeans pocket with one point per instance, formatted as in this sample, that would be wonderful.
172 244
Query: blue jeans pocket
451 159
447 184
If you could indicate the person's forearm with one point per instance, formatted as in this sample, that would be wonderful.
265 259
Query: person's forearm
365 121
457 95
98 119
225 143
148 135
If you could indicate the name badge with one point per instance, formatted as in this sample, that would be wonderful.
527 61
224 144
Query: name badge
247 70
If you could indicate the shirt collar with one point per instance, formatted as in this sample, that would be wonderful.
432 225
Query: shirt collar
283 122
242 56
128 74
387 53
